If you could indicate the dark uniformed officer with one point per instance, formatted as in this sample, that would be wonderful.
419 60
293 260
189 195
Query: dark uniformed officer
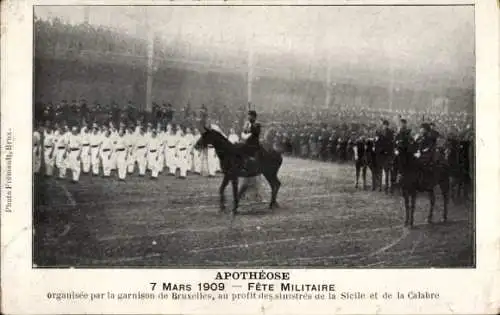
426 145
253 128
385 138
403 137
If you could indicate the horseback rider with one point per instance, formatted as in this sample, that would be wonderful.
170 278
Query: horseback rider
403 137
385 138
426 145
250 135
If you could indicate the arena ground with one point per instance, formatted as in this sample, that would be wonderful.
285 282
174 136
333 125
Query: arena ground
323 221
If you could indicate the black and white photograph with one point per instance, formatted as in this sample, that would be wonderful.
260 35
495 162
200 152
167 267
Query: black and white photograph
253 136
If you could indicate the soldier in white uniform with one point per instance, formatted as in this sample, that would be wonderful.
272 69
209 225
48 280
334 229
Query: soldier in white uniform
37 151
85 155
74 153
106 150
153 146
138 127
95 140
196 153
212 159
190 144
160 134
170 145
233 137
140 150
48 151
120 149
130 138
113 136
61 145
182 153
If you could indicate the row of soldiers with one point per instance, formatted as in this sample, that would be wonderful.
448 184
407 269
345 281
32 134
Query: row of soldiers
100 149
333 144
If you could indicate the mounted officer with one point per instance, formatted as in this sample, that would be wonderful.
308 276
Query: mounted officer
403 137
251 135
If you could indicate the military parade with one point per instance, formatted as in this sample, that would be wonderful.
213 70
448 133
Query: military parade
187 145
165 144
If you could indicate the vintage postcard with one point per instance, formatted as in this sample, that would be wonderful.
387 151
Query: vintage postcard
261 157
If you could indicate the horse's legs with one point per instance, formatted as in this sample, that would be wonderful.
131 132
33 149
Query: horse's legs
243 189
374 178
394 177
406 197
234 182
222 188
358 169
387 174
445 190
413 195
432 199
274 184
364 177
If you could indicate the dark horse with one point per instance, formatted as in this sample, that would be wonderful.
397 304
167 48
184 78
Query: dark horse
418 177
235 164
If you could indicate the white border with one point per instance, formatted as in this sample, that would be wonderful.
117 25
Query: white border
474 291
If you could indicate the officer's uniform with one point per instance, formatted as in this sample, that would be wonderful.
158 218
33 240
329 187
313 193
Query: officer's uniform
154 146
37 152
85 154
61 154
120 149
385 141
95 140
140 150
426 149
106 152
48 151
74 153
403 138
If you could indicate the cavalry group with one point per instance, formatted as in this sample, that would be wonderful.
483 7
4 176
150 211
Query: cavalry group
100 149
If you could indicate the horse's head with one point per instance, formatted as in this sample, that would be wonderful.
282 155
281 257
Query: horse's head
208 137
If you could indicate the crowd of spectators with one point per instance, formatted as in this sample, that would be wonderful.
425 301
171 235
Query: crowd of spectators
293 129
